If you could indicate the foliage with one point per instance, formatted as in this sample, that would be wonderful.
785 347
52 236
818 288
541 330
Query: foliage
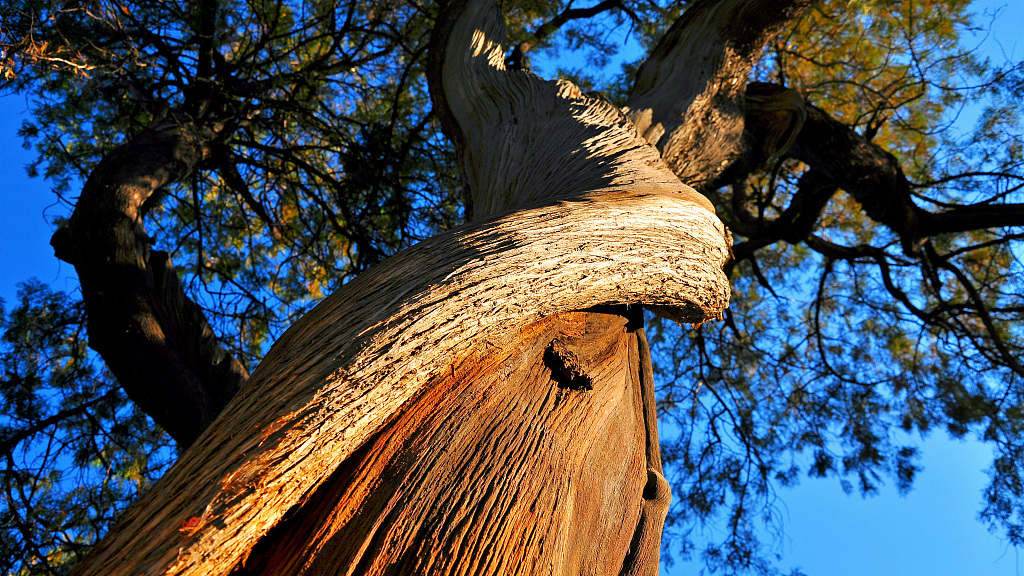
838 351
329 158
75 450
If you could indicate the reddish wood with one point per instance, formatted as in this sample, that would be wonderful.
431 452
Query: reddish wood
501 467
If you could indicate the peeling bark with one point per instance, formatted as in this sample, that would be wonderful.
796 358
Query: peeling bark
155 340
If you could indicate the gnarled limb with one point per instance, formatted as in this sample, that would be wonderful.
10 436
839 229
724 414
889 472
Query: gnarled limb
839 157
688 95
522 139
155 340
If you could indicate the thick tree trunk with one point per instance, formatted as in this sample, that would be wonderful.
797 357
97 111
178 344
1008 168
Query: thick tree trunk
531 458
155 340
344 372
461 407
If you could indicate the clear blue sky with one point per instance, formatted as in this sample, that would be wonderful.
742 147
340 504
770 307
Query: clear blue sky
24 234
933 531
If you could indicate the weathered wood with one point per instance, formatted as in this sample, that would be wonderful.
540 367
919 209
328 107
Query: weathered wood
523 139
402 372
345 370
478 476
688 96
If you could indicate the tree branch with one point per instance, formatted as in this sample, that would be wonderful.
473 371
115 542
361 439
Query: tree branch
12 441
690 89
516 60
155 340
875 178
971 217
863 169
1009 358
521 139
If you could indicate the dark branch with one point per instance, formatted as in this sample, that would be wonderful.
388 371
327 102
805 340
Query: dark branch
517 60
972 217
9 443
875 178
155 340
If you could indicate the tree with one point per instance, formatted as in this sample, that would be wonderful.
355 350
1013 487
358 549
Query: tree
946 275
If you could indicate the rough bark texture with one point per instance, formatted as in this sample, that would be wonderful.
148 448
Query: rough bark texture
524 139
482 477
452 410
688 95
155 340
344 371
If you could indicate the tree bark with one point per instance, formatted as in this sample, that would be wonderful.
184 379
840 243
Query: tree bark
519 461
344 371
155 340
457 405
688 96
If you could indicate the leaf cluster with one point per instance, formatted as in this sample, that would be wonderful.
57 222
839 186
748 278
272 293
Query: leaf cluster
75 451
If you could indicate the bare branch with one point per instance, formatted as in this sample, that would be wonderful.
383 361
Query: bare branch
11 442
516 59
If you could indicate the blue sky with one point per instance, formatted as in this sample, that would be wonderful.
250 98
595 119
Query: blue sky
933 531
25 242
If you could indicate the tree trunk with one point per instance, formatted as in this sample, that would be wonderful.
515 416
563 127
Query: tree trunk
531 458
348 369
464 407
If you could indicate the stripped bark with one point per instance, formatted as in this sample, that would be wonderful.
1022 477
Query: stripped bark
154 339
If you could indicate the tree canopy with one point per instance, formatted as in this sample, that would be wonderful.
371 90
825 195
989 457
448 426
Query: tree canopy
869 169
